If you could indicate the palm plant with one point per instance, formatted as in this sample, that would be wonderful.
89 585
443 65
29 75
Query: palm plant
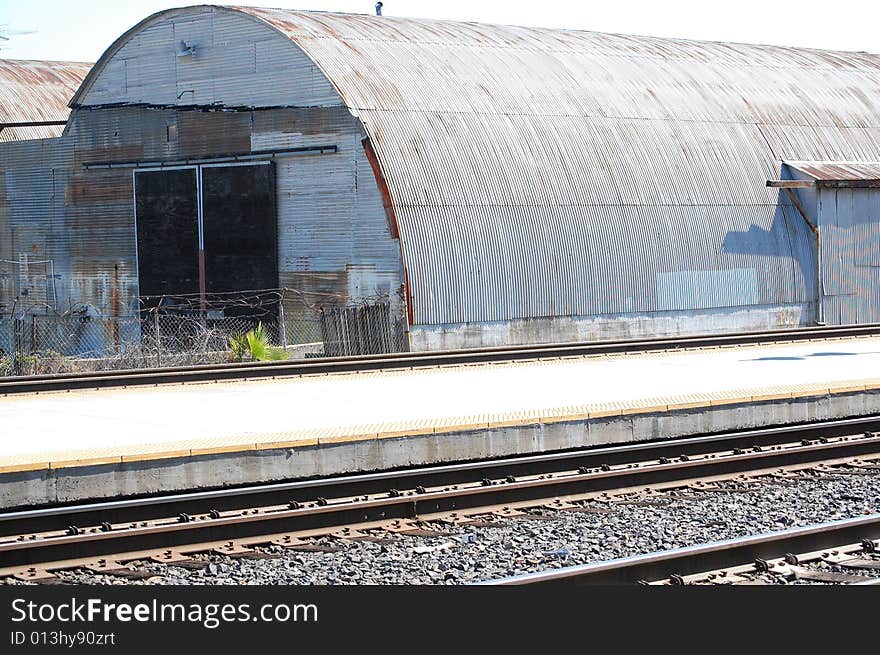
255 346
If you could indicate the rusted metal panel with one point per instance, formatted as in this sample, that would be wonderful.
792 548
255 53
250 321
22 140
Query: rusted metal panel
387 201
124 134
299 127
75 231
211 133
841 173
96 188
31 207
29 133
36 92
331 220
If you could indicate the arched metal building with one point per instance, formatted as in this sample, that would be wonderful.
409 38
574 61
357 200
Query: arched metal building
504 184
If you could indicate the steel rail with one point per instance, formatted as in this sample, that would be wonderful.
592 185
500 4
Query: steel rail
239 371
326 515
701 558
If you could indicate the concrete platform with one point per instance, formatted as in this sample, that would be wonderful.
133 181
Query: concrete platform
65 447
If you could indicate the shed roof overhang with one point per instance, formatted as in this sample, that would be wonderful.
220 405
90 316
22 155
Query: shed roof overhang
831 174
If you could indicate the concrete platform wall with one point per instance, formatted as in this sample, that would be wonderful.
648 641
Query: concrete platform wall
47 486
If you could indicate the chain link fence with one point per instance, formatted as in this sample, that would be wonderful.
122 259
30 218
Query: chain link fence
184 331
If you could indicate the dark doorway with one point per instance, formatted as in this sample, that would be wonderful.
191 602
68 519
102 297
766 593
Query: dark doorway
206 235
167 234
239 228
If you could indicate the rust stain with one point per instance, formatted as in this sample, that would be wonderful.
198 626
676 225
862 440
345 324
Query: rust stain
391 215
207 133
90 187
407 290
387 202
122 152
839 171
38 90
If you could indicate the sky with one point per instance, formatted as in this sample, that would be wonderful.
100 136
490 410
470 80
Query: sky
80 30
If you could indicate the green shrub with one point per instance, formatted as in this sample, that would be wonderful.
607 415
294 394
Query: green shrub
17 364
254 346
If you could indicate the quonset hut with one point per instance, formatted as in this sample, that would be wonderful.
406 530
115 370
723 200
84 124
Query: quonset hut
34 97
501 184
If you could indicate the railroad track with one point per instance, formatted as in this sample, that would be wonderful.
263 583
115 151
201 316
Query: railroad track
105 537
221 372
838 552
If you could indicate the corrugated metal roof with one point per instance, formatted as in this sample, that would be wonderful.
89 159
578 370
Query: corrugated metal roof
839 171
35 92
428 65
548 172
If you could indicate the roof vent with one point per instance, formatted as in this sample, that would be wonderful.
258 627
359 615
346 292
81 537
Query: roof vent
378 8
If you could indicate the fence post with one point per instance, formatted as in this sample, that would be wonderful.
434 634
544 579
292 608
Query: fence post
158 339
34 346
16 345
282 324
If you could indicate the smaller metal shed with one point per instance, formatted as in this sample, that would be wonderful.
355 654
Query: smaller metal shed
840 200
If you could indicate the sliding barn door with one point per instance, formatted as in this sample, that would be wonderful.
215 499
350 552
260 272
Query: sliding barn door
208 232
241 251
167 215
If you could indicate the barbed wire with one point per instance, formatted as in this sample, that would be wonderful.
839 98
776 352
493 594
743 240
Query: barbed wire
260 297
184 329
254 299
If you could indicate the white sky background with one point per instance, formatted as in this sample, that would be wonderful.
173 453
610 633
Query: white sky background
80 30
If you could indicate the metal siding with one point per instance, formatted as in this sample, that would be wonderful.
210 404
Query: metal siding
33 198
836 223
336 243
850 241
238 62
866 228
869 282
602 260
331 218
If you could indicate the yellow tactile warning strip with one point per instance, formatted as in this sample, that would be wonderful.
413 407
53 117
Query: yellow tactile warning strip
367 433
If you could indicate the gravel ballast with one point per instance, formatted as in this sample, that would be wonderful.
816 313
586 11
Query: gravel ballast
471 554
